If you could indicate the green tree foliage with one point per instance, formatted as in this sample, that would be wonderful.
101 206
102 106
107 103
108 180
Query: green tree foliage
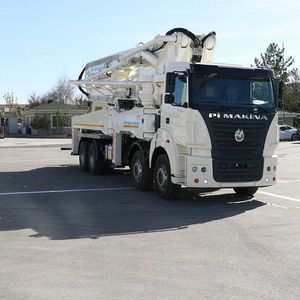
63 119
273 59
41 122
292 92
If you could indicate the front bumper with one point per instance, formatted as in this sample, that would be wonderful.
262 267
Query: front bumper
199 174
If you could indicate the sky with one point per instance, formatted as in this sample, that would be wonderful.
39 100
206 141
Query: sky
42 41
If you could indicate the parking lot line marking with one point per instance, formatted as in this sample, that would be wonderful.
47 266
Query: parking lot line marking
278 196
284 181
65 191
32 160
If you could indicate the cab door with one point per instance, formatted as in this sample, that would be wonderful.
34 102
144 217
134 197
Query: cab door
175 106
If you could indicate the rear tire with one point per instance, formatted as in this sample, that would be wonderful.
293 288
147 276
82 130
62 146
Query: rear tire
246 191
162 178
293 137
142 176
96 160
84 155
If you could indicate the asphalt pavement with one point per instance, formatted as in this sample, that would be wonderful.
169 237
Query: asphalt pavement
66 234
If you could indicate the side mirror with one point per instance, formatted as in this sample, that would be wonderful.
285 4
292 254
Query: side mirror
169 98
170 83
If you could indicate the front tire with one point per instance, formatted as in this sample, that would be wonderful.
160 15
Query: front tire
293 137
96 160
141 174
246 191
162 178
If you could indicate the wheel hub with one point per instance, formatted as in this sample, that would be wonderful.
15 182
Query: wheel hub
137 170
162 177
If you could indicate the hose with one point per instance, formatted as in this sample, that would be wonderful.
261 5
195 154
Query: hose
80 88
206 37
184 31
187 33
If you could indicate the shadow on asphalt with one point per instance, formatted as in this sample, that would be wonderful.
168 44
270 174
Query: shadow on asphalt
95 214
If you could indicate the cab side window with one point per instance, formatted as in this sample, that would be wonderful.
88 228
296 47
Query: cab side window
180 92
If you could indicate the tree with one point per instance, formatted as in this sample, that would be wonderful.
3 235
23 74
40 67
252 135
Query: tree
292 92
41 122
61 92
63 119
10 98
11 103
35 100
274 59
81 101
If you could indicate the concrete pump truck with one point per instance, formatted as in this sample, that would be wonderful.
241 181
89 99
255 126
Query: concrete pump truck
177 119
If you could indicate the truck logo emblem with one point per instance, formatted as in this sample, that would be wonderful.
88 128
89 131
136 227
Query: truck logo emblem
239 135
255 116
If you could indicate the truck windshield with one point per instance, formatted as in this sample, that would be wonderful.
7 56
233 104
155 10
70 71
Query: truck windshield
230 90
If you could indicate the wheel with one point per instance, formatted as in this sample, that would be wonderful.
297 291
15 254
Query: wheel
96 160
246 191
293 137
162 178
2 135
141 174
84 155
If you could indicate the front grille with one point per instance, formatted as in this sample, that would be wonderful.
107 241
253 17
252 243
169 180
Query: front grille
225 145
237 161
